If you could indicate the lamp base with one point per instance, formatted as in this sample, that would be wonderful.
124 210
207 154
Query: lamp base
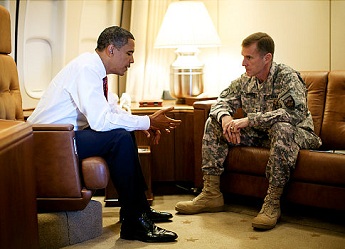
186 74
186 83
180 101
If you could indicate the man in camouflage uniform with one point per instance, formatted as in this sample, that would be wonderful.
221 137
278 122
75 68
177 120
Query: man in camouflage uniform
273 98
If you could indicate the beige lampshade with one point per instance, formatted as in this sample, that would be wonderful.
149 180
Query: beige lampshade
187 23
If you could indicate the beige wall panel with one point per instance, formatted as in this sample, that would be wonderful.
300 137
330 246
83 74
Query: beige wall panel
41 49
300 30
338 35
86 19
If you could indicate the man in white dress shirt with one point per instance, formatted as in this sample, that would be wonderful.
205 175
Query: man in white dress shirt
76 96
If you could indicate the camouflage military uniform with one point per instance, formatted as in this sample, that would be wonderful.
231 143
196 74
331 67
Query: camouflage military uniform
279 119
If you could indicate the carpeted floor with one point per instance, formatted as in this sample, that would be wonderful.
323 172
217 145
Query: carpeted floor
298 228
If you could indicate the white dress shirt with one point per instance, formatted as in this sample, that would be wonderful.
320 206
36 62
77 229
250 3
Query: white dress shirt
75 96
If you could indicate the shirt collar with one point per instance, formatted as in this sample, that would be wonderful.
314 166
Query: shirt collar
100 66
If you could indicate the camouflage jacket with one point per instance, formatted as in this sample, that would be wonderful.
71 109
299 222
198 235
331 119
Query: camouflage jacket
281 98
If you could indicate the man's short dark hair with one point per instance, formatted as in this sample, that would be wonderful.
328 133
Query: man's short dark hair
265 43
114 35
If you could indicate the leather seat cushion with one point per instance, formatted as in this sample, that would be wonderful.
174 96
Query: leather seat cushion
312 166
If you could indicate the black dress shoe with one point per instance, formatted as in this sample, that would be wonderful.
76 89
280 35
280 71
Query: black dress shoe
155 216
145 230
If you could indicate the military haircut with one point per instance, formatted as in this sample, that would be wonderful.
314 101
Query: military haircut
265 43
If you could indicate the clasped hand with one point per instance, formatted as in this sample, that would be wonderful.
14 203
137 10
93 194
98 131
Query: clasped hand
159 121
232 128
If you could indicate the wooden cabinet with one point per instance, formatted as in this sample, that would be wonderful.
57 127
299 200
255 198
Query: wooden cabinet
18 226
173 157
172 160
184 147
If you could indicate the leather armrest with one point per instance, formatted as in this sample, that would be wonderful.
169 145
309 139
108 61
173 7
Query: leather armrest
56 163
95 173
52 127
205 104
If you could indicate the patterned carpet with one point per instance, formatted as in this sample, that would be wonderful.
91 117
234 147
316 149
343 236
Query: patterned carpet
298 228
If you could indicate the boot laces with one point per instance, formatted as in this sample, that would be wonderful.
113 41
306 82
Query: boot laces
271 207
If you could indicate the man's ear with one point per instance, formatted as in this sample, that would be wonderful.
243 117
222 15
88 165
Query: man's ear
268 57
110 49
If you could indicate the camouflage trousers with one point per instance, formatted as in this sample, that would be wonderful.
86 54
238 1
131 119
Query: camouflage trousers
283 139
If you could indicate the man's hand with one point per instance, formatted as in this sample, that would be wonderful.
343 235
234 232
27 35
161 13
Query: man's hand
232 127
155 135
159 121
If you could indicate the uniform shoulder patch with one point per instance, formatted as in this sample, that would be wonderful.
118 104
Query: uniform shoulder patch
289 102
225 93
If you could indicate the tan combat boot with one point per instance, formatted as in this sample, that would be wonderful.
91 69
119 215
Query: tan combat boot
270 211
209 200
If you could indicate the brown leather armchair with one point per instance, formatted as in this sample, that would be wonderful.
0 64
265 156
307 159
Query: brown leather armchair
62 182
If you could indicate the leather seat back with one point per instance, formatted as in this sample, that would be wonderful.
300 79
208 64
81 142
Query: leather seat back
333 125
316 82
10 98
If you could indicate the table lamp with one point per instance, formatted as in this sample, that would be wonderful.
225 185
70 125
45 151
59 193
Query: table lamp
186 26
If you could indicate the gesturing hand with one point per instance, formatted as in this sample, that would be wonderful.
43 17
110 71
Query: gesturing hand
159 121
155 135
